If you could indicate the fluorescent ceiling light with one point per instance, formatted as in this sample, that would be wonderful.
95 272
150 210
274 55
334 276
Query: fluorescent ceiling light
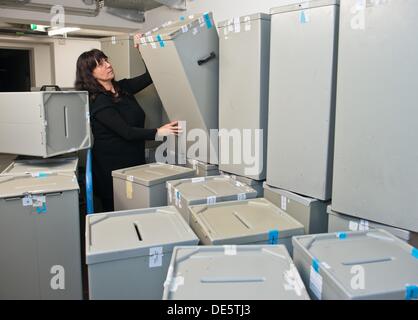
61 31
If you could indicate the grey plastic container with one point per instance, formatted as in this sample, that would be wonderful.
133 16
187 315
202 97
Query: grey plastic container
233 273
128 252
312 213
203 169
333 266
210 190
182 58
303 65
257 185
144 186
44 124
39 168
250 222
244 91
376 172
338 222
40 238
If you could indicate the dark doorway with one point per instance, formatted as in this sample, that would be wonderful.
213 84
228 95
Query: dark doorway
14 70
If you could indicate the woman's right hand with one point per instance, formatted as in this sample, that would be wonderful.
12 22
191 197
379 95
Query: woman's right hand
171 128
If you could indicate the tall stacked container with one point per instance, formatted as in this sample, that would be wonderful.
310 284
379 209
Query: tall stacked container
182 58
303 65
376 172
243 94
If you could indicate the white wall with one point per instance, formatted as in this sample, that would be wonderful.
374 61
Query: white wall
66 53
222 10
54 61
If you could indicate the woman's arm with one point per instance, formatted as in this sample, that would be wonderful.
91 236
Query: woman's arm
112 120
137 84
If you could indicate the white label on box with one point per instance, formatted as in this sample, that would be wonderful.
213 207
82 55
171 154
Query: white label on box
353 226
197 180
113 40
284 203
155 257
238 28
130 178
315 283
211 200
326 265
27 201
153 45
364 225
38 201
230 250
242 197
184 29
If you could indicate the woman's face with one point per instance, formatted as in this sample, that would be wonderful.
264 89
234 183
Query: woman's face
104 71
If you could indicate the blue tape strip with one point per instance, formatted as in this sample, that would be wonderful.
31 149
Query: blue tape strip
274 237
42 209
411 292
89 183
342 236
182 18
302 17
42 175
315 265
208 21
415 253
161 41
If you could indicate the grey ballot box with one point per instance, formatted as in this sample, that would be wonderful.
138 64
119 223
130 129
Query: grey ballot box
44 124
144 186
182 58
257 185
40 238
128 252
255 221
203 169
338 222
205 190
375 165
303 65
312 213
244 49
233 273
41 167
370 265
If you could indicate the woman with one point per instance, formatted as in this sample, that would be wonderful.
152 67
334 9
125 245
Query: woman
117 121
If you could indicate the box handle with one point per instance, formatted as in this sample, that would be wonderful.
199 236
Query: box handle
207 59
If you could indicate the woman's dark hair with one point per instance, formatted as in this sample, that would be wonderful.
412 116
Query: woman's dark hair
85 81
